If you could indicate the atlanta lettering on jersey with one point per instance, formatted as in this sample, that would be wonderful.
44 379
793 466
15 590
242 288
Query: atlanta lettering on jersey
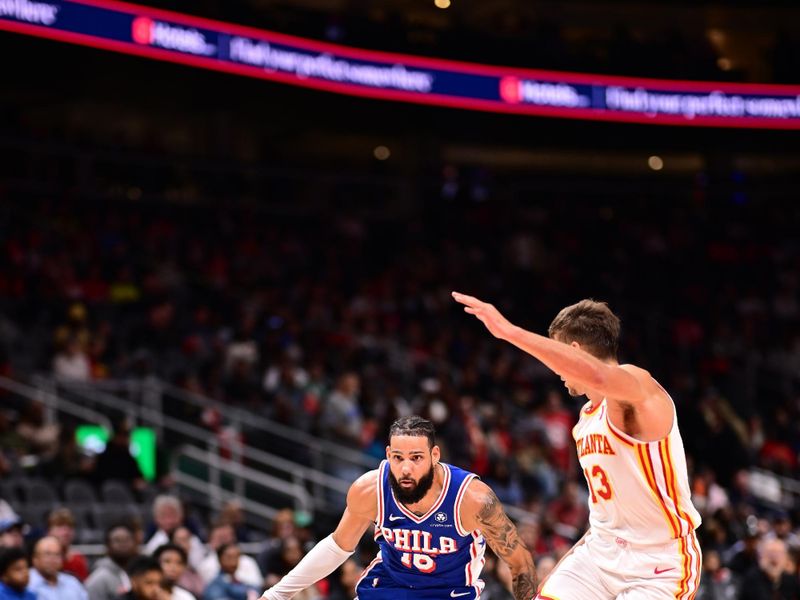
594 443
414 540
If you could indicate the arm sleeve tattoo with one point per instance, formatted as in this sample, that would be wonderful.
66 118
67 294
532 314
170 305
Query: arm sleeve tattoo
503 539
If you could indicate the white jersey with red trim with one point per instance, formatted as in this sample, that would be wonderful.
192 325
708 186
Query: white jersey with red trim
638 491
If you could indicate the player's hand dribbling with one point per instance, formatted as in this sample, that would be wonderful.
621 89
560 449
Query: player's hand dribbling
495 322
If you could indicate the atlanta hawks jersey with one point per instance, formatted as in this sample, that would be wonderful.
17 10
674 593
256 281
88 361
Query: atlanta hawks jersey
432 553
638 491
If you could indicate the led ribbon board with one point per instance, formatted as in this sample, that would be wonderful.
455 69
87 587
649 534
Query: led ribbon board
204 43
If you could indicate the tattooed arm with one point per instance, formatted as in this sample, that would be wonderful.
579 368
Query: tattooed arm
480 509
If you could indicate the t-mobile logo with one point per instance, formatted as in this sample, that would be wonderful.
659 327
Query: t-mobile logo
516 91
149 32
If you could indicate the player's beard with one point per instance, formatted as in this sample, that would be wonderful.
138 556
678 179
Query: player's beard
414 494
573 392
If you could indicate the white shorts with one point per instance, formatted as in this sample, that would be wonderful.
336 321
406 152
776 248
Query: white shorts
607 568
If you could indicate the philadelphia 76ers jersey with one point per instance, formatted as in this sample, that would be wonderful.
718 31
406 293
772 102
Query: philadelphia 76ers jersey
428 556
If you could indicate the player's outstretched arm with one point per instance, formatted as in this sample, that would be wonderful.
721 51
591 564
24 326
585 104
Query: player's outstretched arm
481 510
329 553
567 361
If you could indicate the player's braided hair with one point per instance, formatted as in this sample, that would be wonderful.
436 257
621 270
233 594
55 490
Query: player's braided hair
415 426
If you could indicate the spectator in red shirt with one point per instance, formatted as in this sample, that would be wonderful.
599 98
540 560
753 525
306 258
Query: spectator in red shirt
558 424
569 511
61 525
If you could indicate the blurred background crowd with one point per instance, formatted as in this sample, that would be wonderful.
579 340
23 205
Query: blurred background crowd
356 328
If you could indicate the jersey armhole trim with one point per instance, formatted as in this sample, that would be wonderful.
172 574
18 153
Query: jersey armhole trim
381 500
621 435
457 505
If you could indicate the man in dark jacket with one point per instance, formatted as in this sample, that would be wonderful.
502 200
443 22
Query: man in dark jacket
146 580
717 582
770 581
116 461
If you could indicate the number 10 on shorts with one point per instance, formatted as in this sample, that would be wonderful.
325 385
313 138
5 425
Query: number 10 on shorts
598 483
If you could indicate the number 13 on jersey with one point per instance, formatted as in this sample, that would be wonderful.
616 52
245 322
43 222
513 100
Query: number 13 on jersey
598 483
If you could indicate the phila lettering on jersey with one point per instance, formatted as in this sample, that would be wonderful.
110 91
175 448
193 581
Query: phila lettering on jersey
427 552
638 491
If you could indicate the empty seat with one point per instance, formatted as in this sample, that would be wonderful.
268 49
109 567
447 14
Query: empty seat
40 491
11 490
34 515
149 495
82 513
117 492
79 492
107 515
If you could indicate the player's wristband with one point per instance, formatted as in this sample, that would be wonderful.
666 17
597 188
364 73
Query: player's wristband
322 560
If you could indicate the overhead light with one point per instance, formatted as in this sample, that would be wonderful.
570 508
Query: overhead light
381 152
717 36
442 3
655 163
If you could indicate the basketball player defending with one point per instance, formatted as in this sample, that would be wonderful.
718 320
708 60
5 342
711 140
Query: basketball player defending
641 540
431 521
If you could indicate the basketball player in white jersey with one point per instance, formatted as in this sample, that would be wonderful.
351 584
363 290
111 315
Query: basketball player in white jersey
641 541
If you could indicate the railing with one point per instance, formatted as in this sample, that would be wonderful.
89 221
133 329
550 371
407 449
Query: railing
154 393
53 402
246 465
147 396
774 489
217 494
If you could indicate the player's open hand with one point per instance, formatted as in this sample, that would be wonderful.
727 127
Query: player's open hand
496 323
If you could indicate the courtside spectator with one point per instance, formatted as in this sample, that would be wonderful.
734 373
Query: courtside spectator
46 579
343 584
146 580
109 578
168 515
11 533
72 362
717 582
247 571
172 559
225 586
14 575
771 581
61 525
190 579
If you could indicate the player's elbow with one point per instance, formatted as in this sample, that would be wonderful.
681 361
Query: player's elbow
521 561
597 378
